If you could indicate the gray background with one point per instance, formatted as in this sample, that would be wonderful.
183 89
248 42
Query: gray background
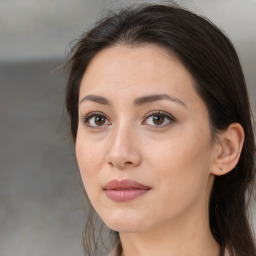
40 200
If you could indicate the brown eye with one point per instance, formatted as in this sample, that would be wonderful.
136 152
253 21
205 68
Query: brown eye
100 120
158 120
95 120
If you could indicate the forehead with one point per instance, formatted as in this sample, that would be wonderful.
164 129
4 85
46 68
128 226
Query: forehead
133 71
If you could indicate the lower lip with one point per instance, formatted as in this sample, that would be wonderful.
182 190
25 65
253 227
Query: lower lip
125 195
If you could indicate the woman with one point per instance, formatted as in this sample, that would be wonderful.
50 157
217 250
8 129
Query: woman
162 126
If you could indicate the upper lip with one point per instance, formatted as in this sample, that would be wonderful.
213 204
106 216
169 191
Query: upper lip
124 184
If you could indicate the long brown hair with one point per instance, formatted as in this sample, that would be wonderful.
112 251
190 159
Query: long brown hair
211 59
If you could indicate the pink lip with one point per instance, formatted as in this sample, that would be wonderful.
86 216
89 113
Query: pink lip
125 190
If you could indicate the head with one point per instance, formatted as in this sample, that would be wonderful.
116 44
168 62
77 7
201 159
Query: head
193 136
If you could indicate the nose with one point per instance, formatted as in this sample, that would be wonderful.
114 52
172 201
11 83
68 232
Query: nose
124 149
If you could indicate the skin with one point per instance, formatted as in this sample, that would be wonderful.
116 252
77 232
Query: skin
176 158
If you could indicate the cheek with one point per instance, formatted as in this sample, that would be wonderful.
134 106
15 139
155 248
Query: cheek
89 159
182 164
180 154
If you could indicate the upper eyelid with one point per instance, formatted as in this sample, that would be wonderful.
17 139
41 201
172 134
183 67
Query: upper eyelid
160 112
86 120
91 114
150 113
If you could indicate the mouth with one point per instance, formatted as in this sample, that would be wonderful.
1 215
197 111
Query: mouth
125 190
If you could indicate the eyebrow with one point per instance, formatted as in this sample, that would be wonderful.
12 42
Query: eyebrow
138 101
96 98
157 97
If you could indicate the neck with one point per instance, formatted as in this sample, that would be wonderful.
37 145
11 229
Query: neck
181 237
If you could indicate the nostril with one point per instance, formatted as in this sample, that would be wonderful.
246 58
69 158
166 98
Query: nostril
122 160
111 164
120 165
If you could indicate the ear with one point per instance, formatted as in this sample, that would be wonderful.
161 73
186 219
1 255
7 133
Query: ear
228 149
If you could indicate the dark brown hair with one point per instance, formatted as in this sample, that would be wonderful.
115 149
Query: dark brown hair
211 59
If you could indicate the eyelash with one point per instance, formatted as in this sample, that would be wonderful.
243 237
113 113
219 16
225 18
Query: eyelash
85 120
164 114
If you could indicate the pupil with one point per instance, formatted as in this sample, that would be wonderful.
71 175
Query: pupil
158 119
99 120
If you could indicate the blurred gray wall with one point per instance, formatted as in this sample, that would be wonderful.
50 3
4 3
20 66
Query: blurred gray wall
40 202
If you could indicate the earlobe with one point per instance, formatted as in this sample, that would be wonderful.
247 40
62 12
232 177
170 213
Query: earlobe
230 144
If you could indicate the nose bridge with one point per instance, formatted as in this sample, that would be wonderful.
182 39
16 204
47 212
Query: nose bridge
121 135
122 140
124 148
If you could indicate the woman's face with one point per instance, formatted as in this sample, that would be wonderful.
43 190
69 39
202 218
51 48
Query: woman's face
144 146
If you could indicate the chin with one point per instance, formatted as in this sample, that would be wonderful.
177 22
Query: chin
126 222
124 227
